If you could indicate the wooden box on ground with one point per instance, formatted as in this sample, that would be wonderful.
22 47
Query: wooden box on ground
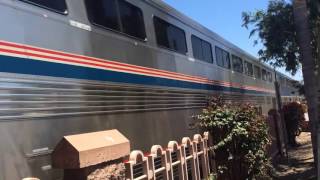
77 153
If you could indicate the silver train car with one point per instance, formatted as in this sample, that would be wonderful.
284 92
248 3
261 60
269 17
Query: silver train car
77 66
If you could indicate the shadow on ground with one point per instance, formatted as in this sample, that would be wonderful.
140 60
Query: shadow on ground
299 165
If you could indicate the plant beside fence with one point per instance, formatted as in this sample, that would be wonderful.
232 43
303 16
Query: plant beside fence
294 119
240 137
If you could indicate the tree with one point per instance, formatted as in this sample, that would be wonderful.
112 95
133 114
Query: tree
308 50
284 30
276 31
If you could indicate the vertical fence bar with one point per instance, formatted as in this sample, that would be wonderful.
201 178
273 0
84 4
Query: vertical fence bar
190 169
137 168
175 160
200 156
206 150
211 153
158 163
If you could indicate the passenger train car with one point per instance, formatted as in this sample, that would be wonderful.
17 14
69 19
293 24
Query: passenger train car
76 66
289 89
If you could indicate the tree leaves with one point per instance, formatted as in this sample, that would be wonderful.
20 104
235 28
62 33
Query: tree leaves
239 133
276 31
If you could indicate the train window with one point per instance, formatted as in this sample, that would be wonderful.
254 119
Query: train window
59 6
288 83
170 36
223 58
117 15
196 47
201 49
132 20
282 81
248 68
270 79
257 72
237 64
264 75
103 13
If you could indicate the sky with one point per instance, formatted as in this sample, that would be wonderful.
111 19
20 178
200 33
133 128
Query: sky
224 18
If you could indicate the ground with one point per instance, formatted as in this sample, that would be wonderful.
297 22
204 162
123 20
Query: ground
299 165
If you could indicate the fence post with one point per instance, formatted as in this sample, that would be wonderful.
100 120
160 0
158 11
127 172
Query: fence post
211 154
190 167
158 163
175 160
137 167
200 156
206 150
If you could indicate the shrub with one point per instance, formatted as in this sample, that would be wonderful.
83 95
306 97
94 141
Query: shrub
240 138
294 118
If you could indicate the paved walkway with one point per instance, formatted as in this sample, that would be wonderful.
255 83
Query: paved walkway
300 163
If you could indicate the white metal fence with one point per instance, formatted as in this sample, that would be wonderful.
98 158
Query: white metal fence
186 161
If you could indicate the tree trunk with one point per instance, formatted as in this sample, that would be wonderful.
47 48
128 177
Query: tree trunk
308 66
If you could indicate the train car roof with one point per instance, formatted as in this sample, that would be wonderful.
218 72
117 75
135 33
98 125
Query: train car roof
164 7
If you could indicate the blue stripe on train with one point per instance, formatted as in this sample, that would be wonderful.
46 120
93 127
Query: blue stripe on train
34 67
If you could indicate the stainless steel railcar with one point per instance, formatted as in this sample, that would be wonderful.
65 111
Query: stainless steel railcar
75 66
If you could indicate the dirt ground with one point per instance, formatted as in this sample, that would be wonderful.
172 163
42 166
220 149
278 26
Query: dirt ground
299 166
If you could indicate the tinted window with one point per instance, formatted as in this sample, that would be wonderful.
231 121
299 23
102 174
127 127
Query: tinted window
132 20
207 51
257 72
54 5
170 36
201 49
264 75
223 58
237 64
248 68
282 80
219 57
117 15
288 83
197 47
270 79
103 13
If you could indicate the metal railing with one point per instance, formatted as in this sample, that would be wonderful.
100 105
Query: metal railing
187 161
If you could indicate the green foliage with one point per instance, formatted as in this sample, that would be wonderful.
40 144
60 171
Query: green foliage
212 177
276 31
240 138
294 117
314 15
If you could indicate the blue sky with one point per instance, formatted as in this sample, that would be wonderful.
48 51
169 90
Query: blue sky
224 18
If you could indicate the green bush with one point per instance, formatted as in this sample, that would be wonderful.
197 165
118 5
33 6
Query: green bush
240 137
294 118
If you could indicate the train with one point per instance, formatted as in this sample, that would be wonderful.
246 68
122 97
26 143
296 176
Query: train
139 66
